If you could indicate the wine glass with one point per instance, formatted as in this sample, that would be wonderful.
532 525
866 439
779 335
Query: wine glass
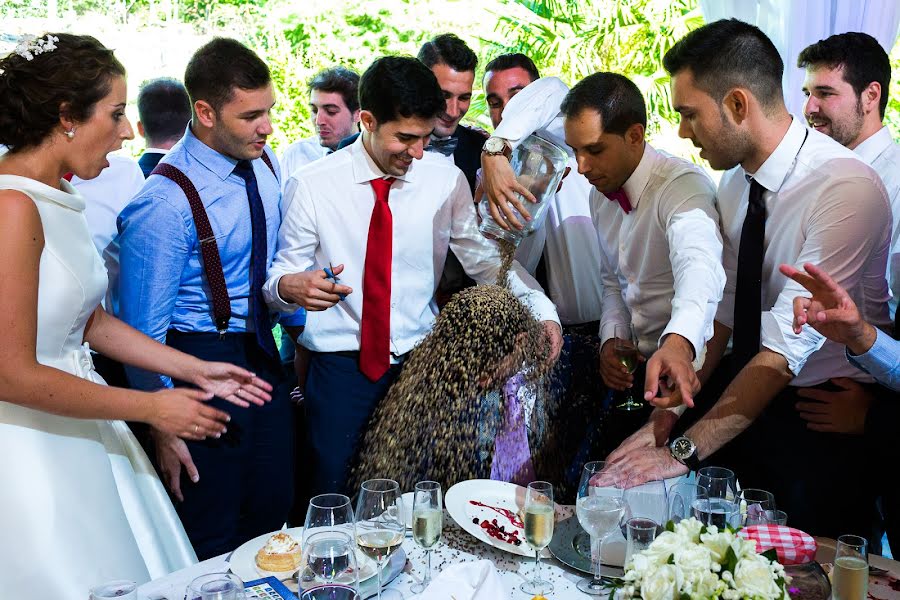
330 569
719 482
757 507
682 497
722 507
625 349
850 577
427 524
329 512
539 520
216 586
599 509
379 522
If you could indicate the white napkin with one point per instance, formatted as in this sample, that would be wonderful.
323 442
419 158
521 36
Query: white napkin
478 580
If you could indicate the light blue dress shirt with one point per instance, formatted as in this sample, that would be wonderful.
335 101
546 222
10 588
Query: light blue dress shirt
882 361
162 284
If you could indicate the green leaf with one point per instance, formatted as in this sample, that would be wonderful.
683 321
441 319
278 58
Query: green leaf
671 560
771 554
670 526
684 596
703 530
731 561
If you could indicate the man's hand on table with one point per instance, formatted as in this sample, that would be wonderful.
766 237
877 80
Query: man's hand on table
648 464
171 454
653 434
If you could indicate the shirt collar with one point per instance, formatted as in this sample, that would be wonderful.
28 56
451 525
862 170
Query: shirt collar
874 145
365 169
635 184
155 151
213 160
775 169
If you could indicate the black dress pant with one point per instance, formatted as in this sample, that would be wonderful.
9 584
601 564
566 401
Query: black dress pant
246 477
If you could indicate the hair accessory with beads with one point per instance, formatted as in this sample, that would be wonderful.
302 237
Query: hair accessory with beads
30 45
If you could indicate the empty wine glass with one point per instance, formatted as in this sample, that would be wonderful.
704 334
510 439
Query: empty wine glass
329 565
682 497
216 586
719 482
757 507
599 509
328 512
427 524
625 349
539 520
379 523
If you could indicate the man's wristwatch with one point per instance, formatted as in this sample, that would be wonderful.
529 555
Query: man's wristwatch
495 146
684 450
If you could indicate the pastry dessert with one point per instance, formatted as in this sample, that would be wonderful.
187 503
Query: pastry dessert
281 553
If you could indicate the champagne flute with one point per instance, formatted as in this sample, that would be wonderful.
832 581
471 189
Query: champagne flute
599 510
328 512
625 349
850 577
539 520
330 569
427 524
379 522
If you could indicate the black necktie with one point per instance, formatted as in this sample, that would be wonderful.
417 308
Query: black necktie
446 146
748 297
259 312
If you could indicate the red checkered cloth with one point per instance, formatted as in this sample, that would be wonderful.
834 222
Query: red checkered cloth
793 547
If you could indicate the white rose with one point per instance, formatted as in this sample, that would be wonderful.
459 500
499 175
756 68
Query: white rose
662 584
707 585
753 577
640 564
689 529
665 545
718 544
694 560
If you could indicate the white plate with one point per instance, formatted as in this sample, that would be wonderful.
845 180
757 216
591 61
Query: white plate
243 559
499 494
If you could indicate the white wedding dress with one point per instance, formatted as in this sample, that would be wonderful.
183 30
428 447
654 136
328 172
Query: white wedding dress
80 504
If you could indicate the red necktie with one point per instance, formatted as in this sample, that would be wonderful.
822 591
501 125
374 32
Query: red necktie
68 176
375 331
622 198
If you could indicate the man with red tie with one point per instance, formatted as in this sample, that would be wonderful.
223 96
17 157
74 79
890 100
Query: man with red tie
386 222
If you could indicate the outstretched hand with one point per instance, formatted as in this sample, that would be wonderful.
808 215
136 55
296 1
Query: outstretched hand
232 383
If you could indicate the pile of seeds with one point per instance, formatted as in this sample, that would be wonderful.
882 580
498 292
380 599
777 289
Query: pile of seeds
429 424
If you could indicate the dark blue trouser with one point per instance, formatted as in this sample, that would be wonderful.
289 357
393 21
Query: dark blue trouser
339 402
246 477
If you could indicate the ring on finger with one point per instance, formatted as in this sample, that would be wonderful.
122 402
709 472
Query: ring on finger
196 428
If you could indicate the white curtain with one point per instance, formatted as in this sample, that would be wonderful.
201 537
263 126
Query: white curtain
795 24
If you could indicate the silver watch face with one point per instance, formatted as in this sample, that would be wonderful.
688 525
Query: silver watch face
682 448
494 145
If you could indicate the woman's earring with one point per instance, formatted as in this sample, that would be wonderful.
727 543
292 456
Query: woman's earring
71 133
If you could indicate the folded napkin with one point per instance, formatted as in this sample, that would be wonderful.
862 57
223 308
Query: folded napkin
793 547
478 580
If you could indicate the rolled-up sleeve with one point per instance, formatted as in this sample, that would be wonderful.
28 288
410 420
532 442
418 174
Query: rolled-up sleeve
535 109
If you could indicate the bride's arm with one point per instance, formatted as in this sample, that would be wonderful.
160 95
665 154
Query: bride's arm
119 341
26 382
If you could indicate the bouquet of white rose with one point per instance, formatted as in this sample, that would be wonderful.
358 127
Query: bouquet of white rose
690 561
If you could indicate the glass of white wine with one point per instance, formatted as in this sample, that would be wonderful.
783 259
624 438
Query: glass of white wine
539 520
626 351
599 510
850 577
379 523
427 523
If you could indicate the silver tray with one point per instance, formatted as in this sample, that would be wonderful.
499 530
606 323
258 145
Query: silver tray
571 545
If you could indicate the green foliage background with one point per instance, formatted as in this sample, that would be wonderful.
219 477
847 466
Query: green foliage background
297 38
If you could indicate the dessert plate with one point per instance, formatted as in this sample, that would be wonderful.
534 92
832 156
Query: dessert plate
243 559
485 500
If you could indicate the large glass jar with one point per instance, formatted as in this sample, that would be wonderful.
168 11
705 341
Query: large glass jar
539 166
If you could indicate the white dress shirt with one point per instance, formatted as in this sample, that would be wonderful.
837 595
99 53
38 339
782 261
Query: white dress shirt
882 153
662 262
825 206
297 155
327 221
568 238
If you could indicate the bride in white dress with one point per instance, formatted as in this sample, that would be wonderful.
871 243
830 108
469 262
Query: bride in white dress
80 503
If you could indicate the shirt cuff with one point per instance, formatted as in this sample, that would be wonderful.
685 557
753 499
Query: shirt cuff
295 319
685 326
880 359
274 299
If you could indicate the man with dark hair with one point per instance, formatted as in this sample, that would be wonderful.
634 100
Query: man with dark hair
387 221
504 77
164 110
334 107
195 244
792 195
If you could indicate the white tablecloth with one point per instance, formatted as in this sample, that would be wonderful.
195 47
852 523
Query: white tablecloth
457 546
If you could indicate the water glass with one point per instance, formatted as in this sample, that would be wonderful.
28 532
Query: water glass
379 522
328 512
121 589
216 586
329 559
778 517
599 511
639 534
682 497
539 520
719 482
626 351
756 506
427 524
648 501
850 576
717 512
331 591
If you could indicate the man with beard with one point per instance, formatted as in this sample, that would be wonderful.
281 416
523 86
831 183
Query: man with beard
791 195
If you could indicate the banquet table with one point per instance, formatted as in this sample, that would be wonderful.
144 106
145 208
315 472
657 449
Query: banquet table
457 546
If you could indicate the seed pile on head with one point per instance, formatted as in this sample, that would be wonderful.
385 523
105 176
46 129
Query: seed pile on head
427 427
